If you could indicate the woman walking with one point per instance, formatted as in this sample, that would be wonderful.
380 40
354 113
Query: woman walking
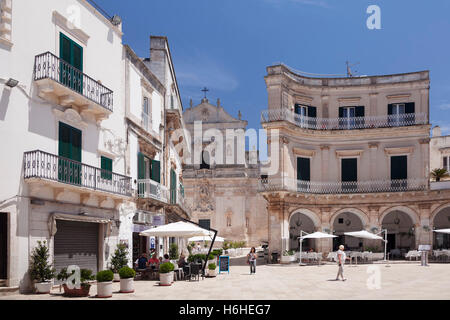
252 260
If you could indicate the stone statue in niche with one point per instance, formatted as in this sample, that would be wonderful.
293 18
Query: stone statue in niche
204 198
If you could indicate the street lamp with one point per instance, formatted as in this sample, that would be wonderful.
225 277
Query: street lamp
12 82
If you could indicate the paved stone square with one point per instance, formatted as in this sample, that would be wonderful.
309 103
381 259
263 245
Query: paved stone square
398 281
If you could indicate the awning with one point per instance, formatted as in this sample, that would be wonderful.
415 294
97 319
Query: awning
74 217
318 235
177 229
364 234
442 231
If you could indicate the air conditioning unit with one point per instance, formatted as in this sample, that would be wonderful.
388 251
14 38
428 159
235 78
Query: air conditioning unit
148 218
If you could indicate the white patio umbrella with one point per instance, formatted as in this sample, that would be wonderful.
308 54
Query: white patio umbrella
314 235
442 231
369 235
205 238
364 234
178 229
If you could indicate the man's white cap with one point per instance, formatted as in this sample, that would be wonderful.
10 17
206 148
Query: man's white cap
341 247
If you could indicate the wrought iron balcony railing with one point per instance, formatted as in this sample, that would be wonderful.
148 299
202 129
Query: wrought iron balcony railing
291 185
49 66
369 122
149 189
43 165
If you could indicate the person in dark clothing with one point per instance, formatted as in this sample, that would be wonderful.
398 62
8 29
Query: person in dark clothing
142 261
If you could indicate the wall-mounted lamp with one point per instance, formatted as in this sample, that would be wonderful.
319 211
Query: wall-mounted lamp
118 222
12 83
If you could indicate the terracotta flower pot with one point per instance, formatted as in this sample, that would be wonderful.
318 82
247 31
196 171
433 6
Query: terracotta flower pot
77 293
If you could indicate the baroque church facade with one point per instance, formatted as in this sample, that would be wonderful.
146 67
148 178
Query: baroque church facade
220 188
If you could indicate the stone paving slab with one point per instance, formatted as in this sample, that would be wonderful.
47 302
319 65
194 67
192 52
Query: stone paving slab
273 282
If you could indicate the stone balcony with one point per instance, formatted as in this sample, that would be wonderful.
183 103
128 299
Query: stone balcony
369 122
350 187
62 175
59 82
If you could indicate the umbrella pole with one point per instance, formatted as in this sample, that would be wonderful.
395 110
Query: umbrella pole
301 240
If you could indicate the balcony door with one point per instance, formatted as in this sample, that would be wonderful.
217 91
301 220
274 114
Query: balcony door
69 150
149 169
303 174
399 172
306 115
349 174
401 114
71 66
351 117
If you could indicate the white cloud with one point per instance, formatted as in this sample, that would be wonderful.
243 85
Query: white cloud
444 106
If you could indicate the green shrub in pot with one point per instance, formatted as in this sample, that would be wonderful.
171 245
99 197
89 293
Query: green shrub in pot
127 273
105 276
166 267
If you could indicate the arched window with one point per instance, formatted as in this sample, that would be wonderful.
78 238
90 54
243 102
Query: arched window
205 160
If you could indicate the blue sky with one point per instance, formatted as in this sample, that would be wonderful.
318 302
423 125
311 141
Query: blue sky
226 45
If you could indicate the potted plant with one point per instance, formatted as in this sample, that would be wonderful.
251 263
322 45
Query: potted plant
119 260
439 173
127 279
85 286
173 252
105 284
212 270
287 256
166 274
41 271
211 258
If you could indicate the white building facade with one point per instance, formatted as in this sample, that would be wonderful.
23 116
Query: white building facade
64 180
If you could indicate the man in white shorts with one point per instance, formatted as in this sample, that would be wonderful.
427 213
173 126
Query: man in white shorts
341 256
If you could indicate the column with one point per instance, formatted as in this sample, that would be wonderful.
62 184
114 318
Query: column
275 210
325 245
375 226
373 161
423 232
424 158
325 150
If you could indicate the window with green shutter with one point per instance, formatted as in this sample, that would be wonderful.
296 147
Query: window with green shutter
71 70
106 165
173 186
69 148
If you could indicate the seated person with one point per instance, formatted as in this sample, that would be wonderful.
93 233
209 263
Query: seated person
181 261
142 261
154 261
166 258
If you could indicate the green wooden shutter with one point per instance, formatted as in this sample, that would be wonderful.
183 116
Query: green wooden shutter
312 112
106 165
72 54
141 173
156 171
141 166
64 146
173 186
303 169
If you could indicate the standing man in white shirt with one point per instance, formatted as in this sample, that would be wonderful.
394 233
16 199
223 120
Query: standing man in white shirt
341 256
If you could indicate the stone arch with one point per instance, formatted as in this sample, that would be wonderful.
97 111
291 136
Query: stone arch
309 213
437 211
309 222
410 212
358 212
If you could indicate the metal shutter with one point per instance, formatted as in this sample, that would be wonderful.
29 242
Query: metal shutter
76 243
